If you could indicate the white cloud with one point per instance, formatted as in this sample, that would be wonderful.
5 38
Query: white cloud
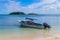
46 6
13 6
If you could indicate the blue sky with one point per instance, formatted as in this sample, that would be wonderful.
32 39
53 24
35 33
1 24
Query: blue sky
27 2
28 6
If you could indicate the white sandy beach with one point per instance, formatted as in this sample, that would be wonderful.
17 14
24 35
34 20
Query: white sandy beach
27 37
29 34
36 35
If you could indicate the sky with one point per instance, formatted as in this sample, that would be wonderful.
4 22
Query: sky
30 6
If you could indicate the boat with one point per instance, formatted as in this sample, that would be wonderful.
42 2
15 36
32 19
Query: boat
31 24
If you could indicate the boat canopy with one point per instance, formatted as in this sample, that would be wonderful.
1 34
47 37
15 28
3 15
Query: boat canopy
30 19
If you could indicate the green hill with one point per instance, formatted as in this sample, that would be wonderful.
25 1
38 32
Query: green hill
17 13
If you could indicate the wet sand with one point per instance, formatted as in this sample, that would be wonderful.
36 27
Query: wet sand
30 34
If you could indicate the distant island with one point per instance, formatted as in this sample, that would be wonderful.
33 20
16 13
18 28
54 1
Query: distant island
17 13
21 13
32 14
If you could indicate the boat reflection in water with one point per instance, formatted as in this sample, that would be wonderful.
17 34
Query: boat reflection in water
31 24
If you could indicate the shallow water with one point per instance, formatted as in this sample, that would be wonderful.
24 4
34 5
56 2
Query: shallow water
10 29
29 33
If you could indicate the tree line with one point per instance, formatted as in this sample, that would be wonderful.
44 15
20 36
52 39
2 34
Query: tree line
20 13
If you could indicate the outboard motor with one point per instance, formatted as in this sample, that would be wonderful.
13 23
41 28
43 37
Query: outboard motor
46 25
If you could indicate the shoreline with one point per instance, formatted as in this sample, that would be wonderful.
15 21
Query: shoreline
27 37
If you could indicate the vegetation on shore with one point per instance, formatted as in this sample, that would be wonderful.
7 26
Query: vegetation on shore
32 14
17 13
21 13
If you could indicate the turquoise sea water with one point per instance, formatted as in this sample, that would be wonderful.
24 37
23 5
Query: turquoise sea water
12 20
9 24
